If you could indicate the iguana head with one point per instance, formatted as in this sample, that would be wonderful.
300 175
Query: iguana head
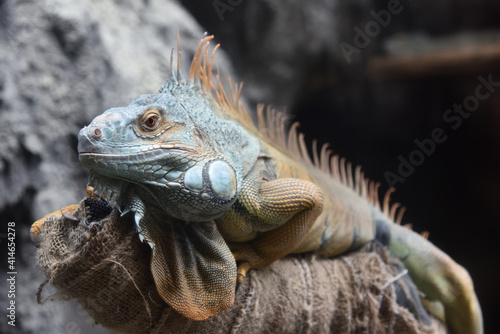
178 152
169 149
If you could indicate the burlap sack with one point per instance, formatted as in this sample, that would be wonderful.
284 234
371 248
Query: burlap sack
105 267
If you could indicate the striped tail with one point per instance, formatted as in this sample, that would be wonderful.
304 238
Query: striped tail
435 274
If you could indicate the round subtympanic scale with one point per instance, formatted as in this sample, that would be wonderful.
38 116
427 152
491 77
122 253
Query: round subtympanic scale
222 178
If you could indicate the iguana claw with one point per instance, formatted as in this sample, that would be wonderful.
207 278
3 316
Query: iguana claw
90 193
242 271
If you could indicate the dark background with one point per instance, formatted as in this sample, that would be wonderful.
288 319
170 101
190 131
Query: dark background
59 68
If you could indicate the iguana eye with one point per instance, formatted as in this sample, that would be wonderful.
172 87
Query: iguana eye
150 121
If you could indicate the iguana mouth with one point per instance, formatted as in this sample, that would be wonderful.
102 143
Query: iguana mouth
91 142
115 162
153 148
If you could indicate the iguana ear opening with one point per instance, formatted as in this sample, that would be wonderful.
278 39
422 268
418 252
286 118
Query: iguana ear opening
193 268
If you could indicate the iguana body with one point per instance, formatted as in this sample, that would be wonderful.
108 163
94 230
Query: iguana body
215 196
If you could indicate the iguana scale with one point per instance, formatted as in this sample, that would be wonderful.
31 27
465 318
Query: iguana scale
215 195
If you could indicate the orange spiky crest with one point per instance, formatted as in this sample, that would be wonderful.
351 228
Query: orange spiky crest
272 124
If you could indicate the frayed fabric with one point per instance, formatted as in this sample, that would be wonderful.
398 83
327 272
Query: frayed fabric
106 268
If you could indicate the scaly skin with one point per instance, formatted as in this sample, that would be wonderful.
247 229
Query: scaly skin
202 182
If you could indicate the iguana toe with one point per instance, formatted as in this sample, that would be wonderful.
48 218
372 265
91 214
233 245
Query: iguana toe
90 193
242 271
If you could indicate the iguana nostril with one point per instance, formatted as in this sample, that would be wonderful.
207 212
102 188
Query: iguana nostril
96 133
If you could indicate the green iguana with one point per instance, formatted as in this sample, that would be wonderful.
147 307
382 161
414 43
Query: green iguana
215 195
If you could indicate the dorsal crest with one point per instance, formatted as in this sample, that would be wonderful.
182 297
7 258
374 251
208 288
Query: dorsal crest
272 127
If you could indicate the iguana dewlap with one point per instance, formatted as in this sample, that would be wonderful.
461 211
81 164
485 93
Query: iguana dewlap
215 196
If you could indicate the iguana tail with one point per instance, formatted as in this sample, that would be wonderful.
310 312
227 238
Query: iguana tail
436 275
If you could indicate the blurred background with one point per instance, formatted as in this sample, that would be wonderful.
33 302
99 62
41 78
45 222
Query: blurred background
407 89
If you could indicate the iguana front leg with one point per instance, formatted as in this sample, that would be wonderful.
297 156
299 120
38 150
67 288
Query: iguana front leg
66 212
284 210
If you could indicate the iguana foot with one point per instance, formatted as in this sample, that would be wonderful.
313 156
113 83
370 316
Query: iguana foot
247 258
36 229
